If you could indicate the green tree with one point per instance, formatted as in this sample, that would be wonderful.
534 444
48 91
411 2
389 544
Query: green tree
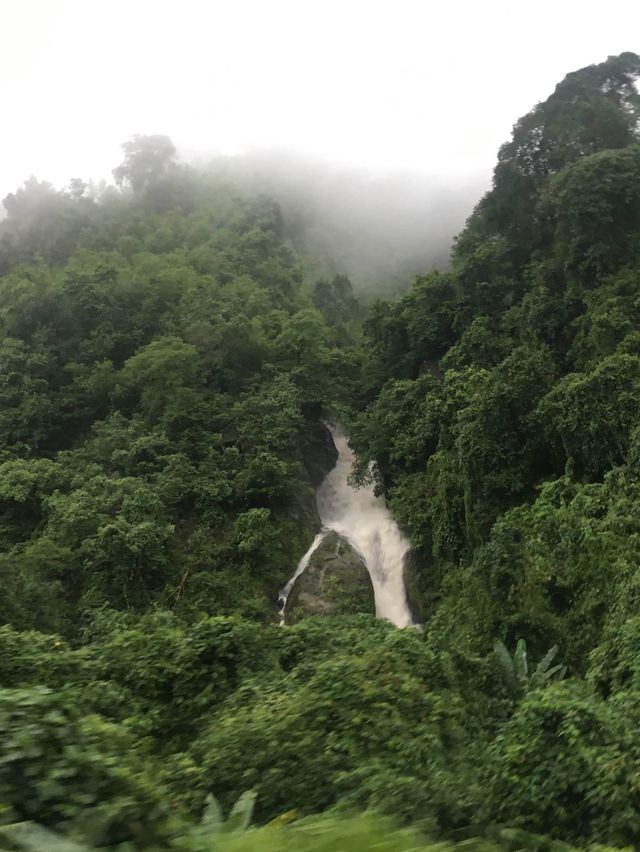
147 159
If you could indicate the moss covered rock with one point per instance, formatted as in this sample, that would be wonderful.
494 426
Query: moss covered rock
335 582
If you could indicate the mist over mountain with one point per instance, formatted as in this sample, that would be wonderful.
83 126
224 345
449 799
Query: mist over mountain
380 229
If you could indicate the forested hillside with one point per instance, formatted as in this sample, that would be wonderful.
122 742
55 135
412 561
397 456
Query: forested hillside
162 376
165 366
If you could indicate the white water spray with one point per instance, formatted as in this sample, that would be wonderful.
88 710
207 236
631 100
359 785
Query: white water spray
365 522
285 590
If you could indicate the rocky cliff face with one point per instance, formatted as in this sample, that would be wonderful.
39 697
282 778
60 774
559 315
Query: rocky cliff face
336 581
319 456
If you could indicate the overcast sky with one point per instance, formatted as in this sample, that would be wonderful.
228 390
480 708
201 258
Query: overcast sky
381 84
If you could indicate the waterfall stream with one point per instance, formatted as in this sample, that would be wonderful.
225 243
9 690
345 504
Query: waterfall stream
365 522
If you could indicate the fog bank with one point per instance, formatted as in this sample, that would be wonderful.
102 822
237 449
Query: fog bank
379 229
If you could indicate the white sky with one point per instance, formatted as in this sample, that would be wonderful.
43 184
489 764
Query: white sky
382 84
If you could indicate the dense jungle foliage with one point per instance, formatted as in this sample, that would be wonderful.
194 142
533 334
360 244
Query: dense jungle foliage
164 367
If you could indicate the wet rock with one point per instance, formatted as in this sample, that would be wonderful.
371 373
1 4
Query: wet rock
318 452
412 585
335 581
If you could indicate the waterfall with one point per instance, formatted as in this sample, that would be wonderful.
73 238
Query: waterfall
366 523
284 591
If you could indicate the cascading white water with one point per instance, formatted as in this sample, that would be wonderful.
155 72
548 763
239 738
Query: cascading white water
365 522
284 591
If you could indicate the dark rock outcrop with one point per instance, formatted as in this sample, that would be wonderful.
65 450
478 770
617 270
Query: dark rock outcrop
335 581
319 452
412 585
